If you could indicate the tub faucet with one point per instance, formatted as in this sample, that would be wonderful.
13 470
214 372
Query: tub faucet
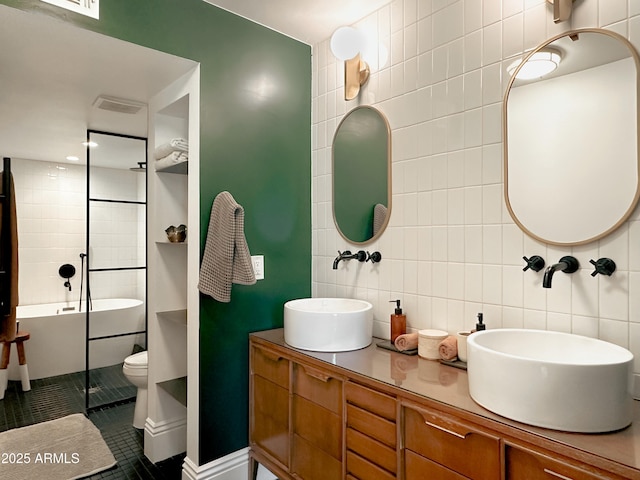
566 264
360 255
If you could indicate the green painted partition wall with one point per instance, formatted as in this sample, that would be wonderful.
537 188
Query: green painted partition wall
256 143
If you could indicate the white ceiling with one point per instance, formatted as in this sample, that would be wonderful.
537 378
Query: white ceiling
309 21
51 72
50 75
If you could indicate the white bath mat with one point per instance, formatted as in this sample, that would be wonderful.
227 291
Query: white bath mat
66 448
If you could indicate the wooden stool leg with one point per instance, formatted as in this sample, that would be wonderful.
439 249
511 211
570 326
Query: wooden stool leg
24 370
6 353
4 363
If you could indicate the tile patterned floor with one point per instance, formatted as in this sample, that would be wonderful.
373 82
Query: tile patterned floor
55 397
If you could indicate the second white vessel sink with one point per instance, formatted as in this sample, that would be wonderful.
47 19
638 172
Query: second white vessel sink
328 324
551 379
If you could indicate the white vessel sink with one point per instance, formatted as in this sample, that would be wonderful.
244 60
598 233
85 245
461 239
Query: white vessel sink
551 379
328 324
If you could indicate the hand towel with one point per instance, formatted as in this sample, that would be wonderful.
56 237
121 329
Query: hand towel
226 258
379 217
8 326
407 341
448 348
174 145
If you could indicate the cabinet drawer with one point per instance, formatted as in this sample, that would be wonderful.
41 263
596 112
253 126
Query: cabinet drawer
311 463
372 450
452 443
318 386
372 425
318 425
525 464
375 402
360 468
271 365
270 418
420 468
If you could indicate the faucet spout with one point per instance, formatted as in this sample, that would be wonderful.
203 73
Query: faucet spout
566 264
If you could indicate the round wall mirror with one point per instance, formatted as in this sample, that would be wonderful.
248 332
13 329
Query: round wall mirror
362 175
571 143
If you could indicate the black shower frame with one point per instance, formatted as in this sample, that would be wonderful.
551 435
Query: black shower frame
88 339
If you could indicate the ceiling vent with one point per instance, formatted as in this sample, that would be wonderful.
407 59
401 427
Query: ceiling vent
118 105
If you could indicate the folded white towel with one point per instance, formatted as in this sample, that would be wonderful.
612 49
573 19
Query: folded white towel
171 159
226 258
174 145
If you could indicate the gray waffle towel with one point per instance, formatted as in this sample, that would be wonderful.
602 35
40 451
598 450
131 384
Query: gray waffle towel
226 257
379 217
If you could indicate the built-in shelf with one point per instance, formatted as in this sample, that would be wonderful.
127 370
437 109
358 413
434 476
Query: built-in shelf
177 388
181 168
167 242
176 316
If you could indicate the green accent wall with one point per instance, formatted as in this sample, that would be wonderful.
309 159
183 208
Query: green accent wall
255 119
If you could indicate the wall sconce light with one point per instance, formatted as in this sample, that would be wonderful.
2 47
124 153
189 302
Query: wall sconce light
561 9
541 63
346 45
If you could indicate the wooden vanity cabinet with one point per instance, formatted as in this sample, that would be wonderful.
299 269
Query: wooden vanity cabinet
312 420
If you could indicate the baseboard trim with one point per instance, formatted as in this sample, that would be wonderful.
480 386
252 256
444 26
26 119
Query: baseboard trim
165 439
234 466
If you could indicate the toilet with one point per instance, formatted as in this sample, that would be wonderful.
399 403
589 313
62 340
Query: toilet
135 369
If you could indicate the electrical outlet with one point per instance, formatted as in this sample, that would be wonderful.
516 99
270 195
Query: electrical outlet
258 266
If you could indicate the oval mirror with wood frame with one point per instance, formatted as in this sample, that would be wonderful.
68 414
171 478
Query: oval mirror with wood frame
571 172
362 175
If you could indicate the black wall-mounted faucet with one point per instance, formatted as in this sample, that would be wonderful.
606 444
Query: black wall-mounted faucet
566 264
360 255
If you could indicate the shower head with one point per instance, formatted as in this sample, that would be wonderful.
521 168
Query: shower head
142 167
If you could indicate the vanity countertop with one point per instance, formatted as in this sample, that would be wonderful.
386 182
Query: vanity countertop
449 385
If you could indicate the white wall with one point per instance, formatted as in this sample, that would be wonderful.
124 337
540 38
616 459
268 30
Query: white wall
51 204
451 249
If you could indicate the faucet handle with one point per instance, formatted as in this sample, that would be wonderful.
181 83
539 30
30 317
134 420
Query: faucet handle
361 255
604 266
535 263
375 257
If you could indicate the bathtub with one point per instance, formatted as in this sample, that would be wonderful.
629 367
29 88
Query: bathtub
57 343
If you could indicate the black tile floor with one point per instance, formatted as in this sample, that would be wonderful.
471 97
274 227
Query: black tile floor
56 397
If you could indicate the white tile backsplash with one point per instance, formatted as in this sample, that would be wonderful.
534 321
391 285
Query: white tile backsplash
51 206
451 249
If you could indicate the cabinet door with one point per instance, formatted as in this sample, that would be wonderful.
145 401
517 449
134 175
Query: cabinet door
269 403
321 427
270 365
453 443
526 464
419 468
311 463
270 418
318 386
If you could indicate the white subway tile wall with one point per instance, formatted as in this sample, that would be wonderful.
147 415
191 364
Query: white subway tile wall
51 205
451 249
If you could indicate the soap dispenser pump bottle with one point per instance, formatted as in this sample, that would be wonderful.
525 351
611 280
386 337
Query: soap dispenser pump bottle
398 322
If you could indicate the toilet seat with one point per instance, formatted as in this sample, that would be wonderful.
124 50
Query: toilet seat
137 361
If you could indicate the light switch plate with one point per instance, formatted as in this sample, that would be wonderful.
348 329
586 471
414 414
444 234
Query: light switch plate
258 266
